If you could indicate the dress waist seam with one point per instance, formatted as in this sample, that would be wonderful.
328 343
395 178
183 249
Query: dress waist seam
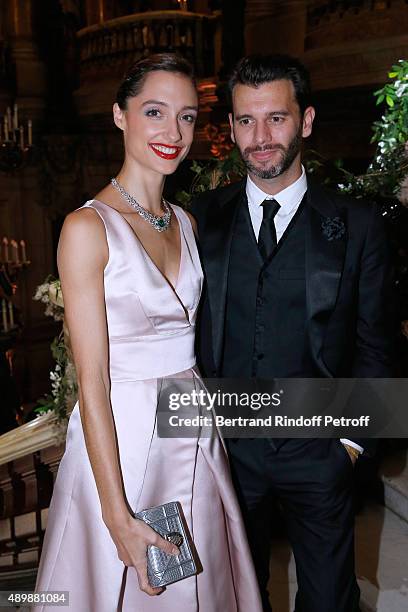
158 377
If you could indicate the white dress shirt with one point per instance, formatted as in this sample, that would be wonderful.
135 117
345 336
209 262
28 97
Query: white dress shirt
289 200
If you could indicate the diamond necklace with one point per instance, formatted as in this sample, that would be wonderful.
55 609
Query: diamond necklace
160 224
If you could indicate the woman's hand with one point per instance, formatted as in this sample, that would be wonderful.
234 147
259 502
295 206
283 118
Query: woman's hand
132 537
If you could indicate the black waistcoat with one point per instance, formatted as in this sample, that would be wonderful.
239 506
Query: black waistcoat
265 329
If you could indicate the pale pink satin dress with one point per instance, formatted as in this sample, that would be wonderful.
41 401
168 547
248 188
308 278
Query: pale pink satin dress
151 336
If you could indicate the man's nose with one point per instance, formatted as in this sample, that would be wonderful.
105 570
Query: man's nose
262 133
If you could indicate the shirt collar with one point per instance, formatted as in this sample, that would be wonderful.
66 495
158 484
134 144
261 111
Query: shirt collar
288 199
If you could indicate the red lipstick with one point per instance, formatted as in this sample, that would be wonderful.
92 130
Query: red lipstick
165 151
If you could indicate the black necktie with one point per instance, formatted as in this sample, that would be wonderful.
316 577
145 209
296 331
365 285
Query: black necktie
267 235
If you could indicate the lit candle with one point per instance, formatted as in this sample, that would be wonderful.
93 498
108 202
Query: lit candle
14 251
23 250
21 137
9 116
6 128
15 117
30 132
6 249
4 315
11 313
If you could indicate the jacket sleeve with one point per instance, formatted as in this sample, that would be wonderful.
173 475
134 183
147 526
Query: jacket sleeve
375 314
375 318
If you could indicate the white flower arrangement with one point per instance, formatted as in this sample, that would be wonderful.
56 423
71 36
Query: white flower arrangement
50 293
63 378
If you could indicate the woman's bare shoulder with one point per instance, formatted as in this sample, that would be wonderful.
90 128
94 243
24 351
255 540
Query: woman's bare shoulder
85 220
83 232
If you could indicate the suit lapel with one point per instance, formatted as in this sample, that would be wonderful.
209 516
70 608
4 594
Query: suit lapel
216 251
324 264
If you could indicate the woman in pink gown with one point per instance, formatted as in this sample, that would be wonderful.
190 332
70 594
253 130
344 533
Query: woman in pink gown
131 282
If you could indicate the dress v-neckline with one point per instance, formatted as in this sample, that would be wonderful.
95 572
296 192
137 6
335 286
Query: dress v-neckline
148 258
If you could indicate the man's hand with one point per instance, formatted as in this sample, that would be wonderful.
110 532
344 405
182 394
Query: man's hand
353 452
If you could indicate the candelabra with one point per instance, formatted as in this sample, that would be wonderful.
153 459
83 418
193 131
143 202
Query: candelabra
13 259
183 5
16 141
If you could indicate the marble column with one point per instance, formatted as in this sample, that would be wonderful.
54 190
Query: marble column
98 11
29 69
20 18
4 93
275 27
2 20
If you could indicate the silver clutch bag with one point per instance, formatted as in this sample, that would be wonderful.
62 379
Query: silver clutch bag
163 569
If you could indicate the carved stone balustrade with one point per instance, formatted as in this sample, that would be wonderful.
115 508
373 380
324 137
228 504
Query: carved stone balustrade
113 45
29 459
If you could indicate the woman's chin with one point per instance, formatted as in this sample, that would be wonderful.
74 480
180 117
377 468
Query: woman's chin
165 166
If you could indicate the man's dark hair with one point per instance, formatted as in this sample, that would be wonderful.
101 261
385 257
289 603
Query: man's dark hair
255 70
136 75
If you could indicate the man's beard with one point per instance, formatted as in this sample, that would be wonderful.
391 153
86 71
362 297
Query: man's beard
289 154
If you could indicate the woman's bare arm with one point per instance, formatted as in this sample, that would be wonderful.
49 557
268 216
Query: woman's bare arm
82 257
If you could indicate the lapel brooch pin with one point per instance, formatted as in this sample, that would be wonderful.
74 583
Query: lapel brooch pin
333 228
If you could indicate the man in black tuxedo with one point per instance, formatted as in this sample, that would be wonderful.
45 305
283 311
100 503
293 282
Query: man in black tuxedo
298 280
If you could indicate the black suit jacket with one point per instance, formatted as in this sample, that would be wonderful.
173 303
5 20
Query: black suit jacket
348 282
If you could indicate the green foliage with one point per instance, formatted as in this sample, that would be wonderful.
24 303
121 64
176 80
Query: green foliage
212 174
390 163
392 130
63 385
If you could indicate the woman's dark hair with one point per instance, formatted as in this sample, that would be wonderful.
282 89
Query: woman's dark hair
255 70
136 75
